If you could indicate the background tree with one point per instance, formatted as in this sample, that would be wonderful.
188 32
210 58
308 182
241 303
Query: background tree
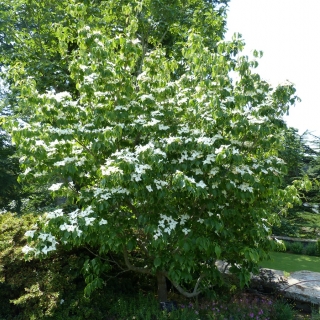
300 155
10 190
161 156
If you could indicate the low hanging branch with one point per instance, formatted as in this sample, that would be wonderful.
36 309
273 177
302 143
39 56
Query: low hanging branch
130 266
192 294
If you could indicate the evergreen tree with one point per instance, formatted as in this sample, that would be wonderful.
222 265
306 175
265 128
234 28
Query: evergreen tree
10 198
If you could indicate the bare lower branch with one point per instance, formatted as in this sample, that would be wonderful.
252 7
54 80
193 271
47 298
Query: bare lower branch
130 266
111 261
192 294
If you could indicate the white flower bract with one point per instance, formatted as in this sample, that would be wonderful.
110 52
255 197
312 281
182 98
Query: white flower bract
55 186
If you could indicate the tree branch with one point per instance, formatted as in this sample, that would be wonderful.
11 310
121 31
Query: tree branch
160 42
111 261
192 294
130 266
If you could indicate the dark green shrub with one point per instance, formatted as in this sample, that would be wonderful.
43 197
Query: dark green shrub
288 246
283 310
286 228
311 249
51 288
296 247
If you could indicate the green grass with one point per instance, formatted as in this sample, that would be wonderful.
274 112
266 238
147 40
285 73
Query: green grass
292 262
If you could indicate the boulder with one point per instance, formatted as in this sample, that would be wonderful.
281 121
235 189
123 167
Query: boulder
301 286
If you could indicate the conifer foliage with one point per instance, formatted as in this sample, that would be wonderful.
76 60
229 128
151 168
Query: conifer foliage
9 169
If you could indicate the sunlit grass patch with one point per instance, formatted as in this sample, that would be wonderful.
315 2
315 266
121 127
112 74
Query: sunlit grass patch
292 262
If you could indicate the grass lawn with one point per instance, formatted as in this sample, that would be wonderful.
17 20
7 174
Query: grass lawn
292 262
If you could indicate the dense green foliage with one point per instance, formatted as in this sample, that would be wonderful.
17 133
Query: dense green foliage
147 144
153 150
53 288
33 287
10 190
15 196
313 196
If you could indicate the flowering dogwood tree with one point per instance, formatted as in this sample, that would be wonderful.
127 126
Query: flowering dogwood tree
169 155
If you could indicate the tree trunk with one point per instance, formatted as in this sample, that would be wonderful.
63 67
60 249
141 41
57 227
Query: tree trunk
162 287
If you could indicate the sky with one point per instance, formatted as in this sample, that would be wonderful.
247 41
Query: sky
288 33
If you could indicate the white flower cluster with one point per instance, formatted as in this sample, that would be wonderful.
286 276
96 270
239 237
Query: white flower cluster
199 184
184 129
90 78
221 148
73 223
194 155
170 140
126 155
40 143
197 171
151 123
213 172
184 218
77 161
45 238
142 148
209 141
160 152
242 170
89 128
121 108
105 194
163 127
257 120
140 169
160 184
98 42
245 187
61 131
26 171
59 97
107 171
54 214
215 185
102 222
55 186
210 158
166 224
147 97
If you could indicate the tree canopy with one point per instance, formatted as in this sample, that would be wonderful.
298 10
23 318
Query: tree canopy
157 132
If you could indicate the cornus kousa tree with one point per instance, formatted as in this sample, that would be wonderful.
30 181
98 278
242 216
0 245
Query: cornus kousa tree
166 150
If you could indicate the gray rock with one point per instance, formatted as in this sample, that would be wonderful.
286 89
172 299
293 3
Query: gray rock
302 286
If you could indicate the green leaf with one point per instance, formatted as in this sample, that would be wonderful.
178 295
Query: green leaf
157 262
217 250
186 246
